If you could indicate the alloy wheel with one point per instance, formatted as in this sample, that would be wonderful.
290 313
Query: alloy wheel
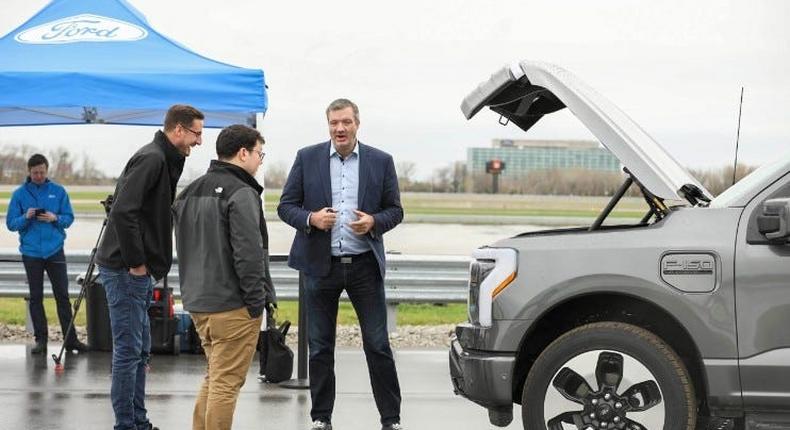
603 390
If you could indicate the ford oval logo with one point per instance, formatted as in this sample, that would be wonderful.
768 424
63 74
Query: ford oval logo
82 28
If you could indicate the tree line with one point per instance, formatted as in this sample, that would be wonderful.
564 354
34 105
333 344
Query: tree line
455 177
64 166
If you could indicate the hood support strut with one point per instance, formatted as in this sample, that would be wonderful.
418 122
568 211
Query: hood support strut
656 204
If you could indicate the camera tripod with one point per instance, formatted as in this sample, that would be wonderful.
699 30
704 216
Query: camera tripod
87 280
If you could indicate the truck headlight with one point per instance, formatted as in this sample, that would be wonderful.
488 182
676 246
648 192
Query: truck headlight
478 271
491 271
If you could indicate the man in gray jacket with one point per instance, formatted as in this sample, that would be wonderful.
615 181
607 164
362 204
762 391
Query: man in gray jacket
222 246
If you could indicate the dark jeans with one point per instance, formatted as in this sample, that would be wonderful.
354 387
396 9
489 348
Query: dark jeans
55 266
128 298
362 281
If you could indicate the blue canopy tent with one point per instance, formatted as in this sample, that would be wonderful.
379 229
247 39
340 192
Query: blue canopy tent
99 61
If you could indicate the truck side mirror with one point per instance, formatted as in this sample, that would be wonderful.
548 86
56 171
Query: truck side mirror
774 222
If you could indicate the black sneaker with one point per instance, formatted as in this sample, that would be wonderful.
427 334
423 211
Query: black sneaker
394 426
150 427
40 348
77 346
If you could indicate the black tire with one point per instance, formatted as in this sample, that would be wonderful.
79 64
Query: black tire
176 344
612 339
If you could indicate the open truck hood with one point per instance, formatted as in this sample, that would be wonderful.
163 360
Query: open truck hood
523 93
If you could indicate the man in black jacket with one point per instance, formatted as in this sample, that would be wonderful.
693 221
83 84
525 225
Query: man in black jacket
136 250
223 261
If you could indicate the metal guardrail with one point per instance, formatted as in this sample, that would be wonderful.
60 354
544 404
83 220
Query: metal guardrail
410 278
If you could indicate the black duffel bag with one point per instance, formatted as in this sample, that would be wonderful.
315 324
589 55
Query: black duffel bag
276 358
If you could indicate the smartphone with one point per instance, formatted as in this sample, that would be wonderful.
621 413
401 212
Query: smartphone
40 211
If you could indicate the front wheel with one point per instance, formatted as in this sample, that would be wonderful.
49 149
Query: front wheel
608 376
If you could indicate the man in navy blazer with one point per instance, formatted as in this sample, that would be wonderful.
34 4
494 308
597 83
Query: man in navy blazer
341 196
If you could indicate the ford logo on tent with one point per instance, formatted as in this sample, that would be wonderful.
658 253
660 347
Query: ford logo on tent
82 28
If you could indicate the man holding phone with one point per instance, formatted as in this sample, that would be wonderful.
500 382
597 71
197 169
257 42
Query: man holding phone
41 212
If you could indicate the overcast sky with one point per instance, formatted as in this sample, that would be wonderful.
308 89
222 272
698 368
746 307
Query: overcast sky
676 67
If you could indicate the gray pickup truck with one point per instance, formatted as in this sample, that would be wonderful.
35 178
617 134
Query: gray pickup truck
679 321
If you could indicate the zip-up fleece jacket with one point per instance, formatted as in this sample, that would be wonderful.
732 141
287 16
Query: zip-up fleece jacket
222 242
36 238
140 227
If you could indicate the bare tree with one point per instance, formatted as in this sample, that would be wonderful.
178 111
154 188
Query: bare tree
275 174
719 179
13 160
88 173
62 166
459 177
442 179
405 171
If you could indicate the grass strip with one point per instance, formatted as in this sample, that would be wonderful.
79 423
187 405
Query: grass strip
12 311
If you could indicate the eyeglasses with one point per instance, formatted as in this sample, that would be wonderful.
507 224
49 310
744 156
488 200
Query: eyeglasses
260 153
196 133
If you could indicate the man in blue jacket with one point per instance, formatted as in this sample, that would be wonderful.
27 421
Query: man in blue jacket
341 196
41 212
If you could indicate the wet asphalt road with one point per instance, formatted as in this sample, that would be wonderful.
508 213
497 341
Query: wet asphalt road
33 396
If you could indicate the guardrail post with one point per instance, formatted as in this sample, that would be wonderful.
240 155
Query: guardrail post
392 317
301 381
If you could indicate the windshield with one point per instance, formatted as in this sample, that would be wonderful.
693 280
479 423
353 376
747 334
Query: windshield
762 177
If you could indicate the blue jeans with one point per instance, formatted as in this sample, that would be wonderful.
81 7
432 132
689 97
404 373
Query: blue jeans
362 281
128 298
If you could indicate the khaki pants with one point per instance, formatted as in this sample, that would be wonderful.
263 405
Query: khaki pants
229 339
